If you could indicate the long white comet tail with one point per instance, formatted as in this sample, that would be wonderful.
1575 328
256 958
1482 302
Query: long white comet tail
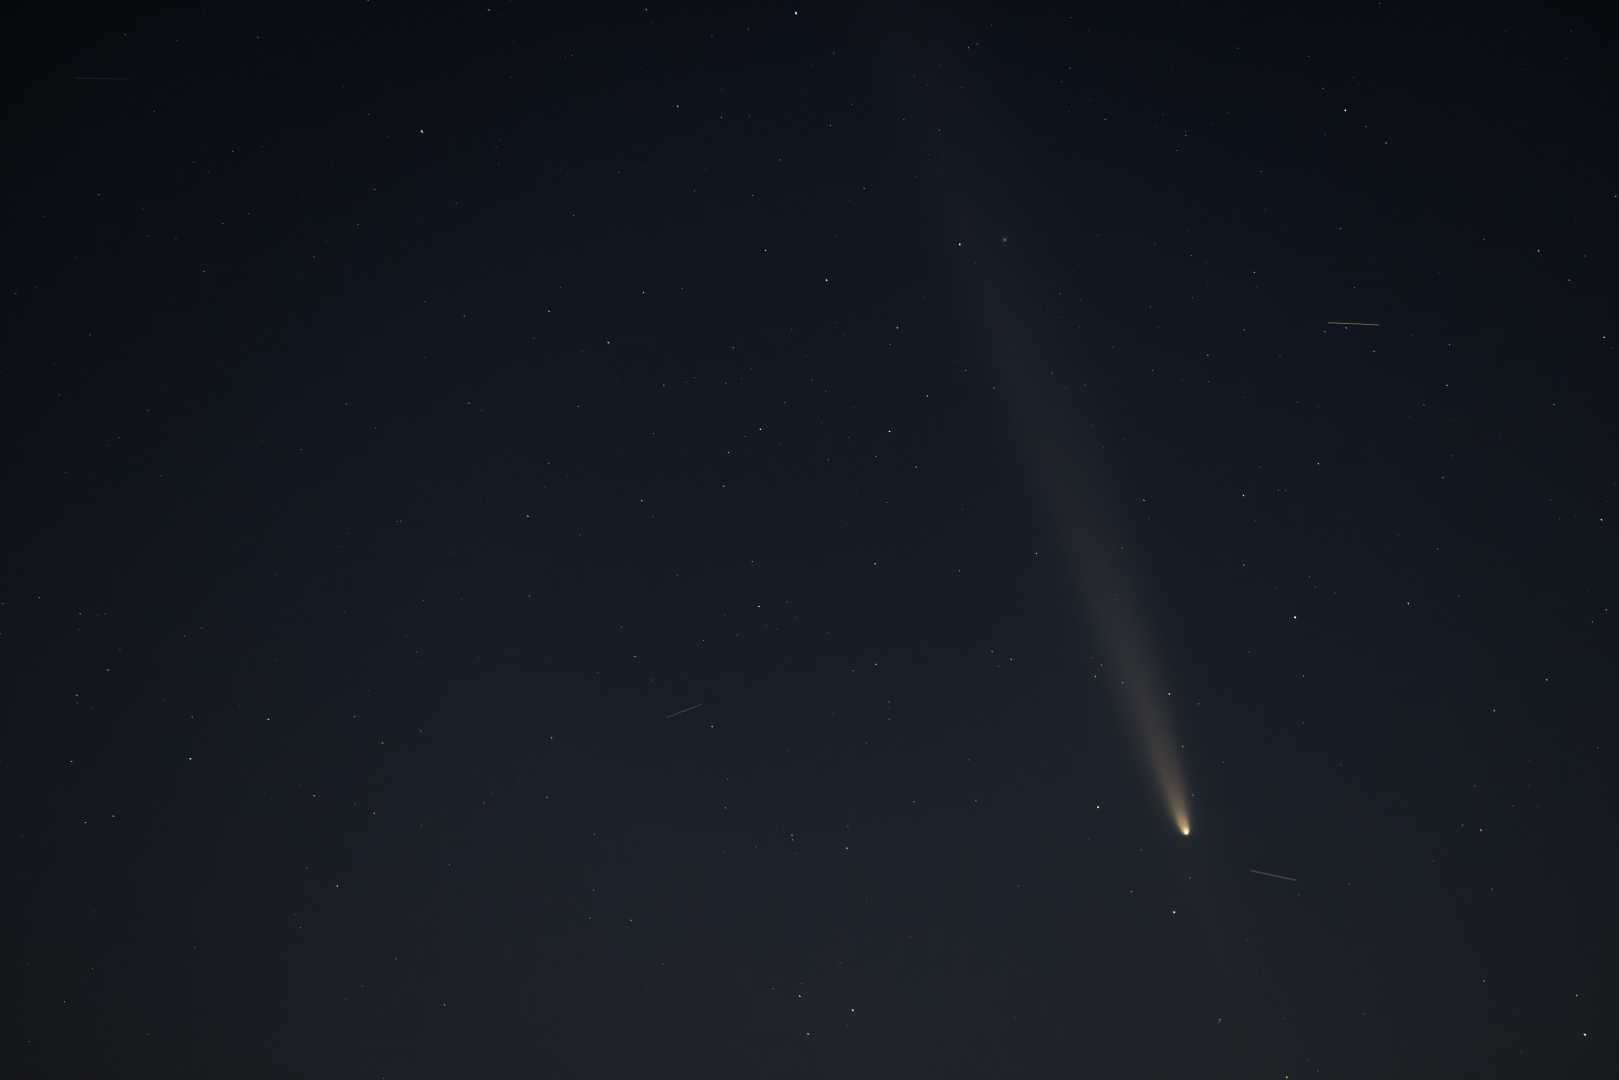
1102 584
1100 577
1014 337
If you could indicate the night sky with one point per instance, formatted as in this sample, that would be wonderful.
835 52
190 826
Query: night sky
639 543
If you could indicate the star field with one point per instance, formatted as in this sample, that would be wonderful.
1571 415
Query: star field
594 544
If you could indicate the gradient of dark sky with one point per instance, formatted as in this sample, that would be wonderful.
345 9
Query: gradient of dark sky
408 411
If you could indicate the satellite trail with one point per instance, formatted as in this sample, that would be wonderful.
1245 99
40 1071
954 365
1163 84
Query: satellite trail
682 712
1278 877
1343 322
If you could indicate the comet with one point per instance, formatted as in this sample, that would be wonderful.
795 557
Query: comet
1086 525
1022 329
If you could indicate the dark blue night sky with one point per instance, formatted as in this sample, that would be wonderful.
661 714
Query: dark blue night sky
652 542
